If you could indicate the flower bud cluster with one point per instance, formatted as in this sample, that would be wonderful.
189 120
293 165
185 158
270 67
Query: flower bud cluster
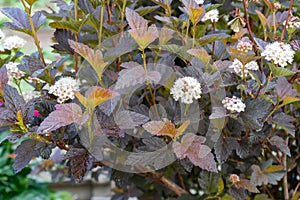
13 71
244 45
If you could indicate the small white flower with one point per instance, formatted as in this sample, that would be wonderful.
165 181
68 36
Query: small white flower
2 35
279 53
294 22
13 71
133 198
238 67
277 6
64 89
13 42
199 1
186 89
212 15
28 95
234 104
244 45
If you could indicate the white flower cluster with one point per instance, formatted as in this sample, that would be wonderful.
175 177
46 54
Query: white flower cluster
186 88
13 42
13 71
64 89
199 1
234 104
28 95
244 45
279 52
212 15
294 22
237 66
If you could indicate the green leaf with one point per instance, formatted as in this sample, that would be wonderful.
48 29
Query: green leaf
212 38
142 11
220 186
262 18
296 196
180 51
280 71
273 168
289 99
201 54
71 25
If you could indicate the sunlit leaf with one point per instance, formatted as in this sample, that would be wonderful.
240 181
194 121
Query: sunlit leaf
165 127
95 58
64 115
192 147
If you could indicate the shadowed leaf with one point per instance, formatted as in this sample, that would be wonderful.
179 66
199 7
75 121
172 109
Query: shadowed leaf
25 151
224 147
280 144
80 163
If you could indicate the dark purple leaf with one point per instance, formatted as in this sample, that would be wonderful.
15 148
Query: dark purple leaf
64 115
296 45
284 121
280 144
129 119
255 112
62 37
13 100
283 88
25 151
20 19
224 147
3 78
80 163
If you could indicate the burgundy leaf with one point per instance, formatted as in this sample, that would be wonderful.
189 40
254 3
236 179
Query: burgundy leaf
25 151
296 45
280 144
3 78
192 147
246 184
80 163
284 88
223 148
258 177
129 119
64 115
